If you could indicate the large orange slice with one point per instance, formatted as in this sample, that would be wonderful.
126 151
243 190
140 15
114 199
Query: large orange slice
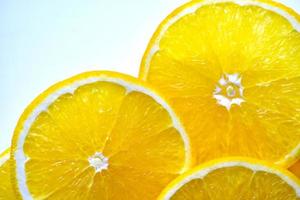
231 70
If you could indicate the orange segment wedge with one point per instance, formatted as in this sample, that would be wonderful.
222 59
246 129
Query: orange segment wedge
295 168
6 190
234 179
98 135
231 70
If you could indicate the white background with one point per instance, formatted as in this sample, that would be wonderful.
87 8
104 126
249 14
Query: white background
42 42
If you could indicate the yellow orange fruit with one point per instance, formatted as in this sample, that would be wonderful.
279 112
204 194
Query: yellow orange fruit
98 135
231 70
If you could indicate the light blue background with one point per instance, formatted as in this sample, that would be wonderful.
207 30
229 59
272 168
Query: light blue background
42 42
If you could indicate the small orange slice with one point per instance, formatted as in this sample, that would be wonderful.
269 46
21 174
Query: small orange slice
234 179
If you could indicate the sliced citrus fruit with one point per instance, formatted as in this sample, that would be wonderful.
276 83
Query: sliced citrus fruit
233 179
295 168
98 135
231 70
6 191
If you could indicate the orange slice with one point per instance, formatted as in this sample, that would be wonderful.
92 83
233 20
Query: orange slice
98 135
234 179
231 70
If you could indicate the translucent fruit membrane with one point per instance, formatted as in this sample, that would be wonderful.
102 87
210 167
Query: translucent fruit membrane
232 73
101 141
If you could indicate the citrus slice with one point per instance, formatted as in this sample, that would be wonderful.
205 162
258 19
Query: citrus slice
295 168
98 135
6 191
231 70
234 179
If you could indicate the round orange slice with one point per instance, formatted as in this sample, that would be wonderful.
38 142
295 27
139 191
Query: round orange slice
231 70
98 135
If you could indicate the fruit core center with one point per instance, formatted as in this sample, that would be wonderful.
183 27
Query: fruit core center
98 161
229 90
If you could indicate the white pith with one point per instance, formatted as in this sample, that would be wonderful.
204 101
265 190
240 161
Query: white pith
293 21
4 159
290 156
19 155
98 161
226 82
254 167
